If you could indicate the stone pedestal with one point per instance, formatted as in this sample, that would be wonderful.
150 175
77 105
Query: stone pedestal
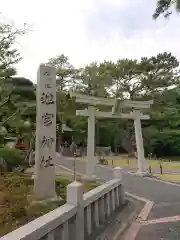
44 178
142 174
89 178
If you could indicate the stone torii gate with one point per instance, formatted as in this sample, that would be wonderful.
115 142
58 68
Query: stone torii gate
93 113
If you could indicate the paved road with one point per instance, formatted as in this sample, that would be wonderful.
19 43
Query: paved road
104 173
161 231
158 192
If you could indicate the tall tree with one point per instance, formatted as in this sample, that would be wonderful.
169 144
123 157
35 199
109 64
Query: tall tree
158 73
65 72
95 79
9 56
133 79
66 79
164 7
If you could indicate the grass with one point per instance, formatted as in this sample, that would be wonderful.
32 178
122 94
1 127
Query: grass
169 177
132 162
155 164
15 208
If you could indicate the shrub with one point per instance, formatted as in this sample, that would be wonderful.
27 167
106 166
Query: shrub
13 198
61 184
89 186
13 157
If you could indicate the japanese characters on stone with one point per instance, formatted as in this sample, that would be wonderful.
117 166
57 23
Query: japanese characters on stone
47 119
45 150
47 141
46 162
47 99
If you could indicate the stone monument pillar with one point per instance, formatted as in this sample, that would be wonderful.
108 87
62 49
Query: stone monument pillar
44 179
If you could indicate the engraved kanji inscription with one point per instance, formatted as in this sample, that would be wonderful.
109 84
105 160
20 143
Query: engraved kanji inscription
47 119
46 162
47 98
47 85
47 141
47 73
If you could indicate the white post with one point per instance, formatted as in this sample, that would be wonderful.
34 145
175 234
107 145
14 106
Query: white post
44 179
75 197
142 166
91 160
117 174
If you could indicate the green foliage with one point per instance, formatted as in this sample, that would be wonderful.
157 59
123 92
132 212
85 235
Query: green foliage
94 80
65 72
13 91
89 186
164 7
163 143
61 184
36 210
13 198
13 157
133 79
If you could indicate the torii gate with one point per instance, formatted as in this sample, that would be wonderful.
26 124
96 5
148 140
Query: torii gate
93 113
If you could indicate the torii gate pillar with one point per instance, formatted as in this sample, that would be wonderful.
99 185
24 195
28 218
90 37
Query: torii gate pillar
91 163
142 165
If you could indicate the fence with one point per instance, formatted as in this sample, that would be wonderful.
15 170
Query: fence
66 151
79 217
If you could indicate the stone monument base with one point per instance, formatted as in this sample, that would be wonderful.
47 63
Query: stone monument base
33 200
89 178
56 199
143 174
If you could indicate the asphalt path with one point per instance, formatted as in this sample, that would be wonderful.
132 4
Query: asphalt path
156 191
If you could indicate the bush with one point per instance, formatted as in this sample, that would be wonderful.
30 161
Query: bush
61 184
13 197
89 186
13 157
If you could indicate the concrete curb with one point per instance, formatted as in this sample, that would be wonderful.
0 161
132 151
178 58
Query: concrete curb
146 209
134 228
68 170
77 173
125 226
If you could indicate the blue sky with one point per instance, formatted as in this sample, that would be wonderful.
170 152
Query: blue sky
89 30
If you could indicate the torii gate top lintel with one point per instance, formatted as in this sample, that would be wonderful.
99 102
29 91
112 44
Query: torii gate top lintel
116 103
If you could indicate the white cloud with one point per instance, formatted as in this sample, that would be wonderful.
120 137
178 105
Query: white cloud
75 29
